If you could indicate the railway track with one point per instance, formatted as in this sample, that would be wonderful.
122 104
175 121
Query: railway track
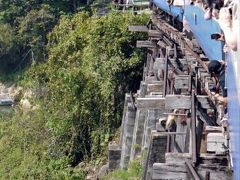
175 83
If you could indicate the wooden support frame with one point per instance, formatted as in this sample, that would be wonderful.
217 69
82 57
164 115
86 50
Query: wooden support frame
191 171
199 135
182 82
150 103
138 28
207 175
168 28
177 102
154 33
168 143
155 87
145 44
165 77
132 101
175 114
193 129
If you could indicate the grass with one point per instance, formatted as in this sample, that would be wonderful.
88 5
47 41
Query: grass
134 172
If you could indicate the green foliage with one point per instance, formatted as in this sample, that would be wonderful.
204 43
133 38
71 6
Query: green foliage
134 172
90 67
26 24
33 30
6 38
25 141
92 62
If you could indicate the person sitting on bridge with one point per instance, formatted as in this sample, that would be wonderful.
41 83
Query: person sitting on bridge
217 70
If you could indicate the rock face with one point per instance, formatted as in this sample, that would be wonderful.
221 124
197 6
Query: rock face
6 95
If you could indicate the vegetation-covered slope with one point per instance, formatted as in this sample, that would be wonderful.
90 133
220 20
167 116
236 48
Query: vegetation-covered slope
92 61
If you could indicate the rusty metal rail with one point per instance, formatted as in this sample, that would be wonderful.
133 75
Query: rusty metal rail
168 29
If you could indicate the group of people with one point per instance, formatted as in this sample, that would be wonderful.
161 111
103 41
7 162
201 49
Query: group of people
225 12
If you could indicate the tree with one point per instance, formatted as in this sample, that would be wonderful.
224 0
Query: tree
33 30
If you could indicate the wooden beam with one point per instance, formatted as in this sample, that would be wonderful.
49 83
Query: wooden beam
167 41
211 121
158 64
177 102
193 128
207 176
168 28
213 129
169 171
146 44
204 101
150 103
210 159
191 171
155 87
138 28
177 157
154 33
132 101
166 133
181 82
161 44
165 77
173 62
199 134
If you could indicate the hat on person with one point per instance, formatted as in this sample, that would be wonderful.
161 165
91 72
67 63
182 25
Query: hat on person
215 67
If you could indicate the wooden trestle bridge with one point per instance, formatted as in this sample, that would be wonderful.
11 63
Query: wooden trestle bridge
175 83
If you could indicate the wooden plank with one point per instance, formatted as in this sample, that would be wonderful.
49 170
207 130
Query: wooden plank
155 94
153 82
181 143
161 44
181 82
165 79
191 171
177 157
155 87
168 42
213 129
166 133
215 174
149 79
159 64
150 103
173 62
174 171
184 64
168 28
146 44
193 128
210 159
154 33
211 121
215 142
138 28
204 101
177 102
199 134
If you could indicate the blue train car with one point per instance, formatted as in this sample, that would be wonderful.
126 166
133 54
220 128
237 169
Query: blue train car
234 111
202 30
176 12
